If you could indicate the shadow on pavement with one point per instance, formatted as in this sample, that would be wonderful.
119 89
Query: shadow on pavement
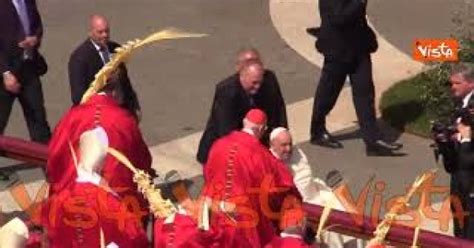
387 132
401 114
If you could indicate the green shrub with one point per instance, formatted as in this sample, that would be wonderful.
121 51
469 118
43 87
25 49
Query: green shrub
413 103
436 95
402 106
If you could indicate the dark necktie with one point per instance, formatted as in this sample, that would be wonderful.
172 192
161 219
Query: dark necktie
105 54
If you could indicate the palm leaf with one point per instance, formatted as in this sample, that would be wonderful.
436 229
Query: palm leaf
125 51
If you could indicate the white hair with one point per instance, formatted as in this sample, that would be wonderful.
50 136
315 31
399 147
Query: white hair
275 132
252 127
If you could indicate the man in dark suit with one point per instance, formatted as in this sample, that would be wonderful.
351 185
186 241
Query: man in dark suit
251 87
90 57
269 97
21 66
346 41
458 153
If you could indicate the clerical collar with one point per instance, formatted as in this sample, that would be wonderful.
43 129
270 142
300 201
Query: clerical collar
465 100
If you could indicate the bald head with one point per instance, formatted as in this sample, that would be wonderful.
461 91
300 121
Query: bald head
246 55
251 76
281 143
99 30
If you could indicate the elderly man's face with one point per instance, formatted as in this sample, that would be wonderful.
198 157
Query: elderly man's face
460 87
282 145
251 79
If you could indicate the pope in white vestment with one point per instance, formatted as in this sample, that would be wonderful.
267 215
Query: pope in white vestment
313 189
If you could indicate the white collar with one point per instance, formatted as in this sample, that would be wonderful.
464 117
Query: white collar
290 235
180 210
465 100
112 245
97 47
84 176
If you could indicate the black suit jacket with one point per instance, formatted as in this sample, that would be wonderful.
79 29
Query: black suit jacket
84 63
11 33
458 157
344 33
231 103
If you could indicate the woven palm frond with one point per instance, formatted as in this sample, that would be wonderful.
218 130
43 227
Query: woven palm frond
384 226
124 52
159 207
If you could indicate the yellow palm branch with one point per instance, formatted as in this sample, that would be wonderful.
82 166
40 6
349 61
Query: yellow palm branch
124 52
384 226
159 207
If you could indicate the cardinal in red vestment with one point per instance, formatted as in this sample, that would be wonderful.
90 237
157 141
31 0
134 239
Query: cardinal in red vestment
242 180
182 229
123 134
79 215
292 226
86 212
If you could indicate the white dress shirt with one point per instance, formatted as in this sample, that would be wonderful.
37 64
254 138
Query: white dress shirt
465 102
98 48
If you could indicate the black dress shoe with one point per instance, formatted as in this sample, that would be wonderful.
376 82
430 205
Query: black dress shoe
326 140
380 150
392 146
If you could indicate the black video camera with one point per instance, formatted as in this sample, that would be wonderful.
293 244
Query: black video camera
442 132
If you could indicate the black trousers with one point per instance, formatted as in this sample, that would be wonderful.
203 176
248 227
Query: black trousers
462 188
332 80
32 102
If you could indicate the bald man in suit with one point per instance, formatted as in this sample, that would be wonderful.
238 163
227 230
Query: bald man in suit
90 56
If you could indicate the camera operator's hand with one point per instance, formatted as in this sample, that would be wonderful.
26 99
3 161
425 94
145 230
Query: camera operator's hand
441 138
465 132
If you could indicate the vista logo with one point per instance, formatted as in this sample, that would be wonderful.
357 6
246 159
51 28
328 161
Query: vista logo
435 50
